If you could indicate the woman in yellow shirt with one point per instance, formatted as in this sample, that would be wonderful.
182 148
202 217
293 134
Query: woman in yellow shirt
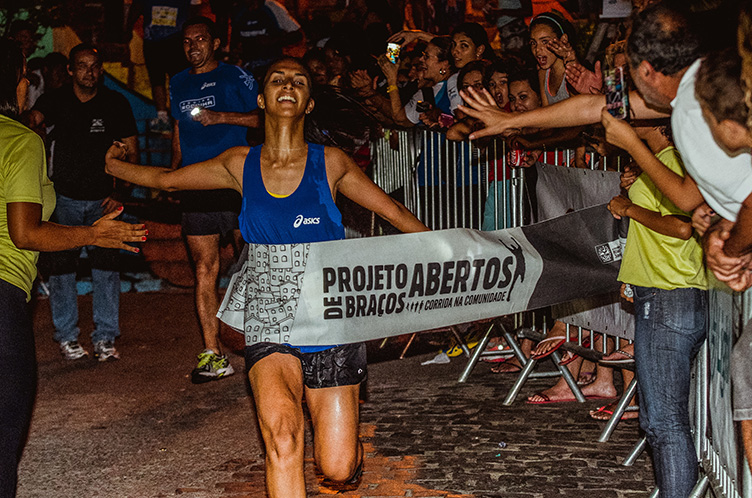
26 202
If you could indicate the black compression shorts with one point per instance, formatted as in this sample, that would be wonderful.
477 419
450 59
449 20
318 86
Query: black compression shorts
343 365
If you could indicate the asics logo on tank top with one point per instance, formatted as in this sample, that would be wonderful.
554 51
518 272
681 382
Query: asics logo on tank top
208 84
300 220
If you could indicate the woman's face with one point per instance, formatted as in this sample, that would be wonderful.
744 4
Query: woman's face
540 35
436 70
318 72
473 79
287 90
336 63
522 97
464 50
499 88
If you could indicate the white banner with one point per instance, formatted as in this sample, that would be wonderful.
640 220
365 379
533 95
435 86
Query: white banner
361 289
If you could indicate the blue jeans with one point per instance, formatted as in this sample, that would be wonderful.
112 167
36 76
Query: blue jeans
104 275
670 327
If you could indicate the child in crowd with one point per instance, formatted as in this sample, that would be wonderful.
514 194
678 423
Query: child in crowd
663 263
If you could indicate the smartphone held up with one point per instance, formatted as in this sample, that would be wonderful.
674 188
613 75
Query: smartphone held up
392 52
617 93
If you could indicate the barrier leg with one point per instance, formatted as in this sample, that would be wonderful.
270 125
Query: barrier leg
568 377
700 488
407 346
521 379
618 411
476 355
383 343
460 341
515 347
633 455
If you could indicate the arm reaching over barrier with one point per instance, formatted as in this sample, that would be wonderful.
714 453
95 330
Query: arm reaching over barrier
574 111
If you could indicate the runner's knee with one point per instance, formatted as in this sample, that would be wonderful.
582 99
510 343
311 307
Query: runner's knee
339 465
283 438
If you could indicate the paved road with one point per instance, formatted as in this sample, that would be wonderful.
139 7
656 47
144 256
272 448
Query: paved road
138 427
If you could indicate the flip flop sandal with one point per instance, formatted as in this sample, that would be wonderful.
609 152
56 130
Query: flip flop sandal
628 359
547 400
561 340
605 409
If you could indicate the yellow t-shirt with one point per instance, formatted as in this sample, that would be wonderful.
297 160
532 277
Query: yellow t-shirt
654 260
23 178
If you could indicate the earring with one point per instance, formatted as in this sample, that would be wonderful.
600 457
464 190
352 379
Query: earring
442 71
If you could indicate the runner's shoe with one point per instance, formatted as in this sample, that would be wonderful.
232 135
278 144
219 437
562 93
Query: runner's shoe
105 351
211 366
72 350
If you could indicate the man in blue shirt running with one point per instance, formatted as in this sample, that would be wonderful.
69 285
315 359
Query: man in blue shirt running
213 104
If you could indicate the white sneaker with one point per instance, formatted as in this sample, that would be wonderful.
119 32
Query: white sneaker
105 351
72 350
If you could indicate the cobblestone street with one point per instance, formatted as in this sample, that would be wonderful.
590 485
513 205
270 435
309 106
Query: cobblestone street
139 428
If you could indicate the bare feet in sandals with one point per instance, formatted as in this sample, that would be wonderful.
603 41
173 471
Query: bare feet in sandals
555 337
512 365
620 357
605 412
560 393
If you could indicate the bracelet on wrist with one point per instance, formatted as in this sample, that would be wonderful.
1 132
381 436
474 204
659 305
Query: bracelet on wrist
391 88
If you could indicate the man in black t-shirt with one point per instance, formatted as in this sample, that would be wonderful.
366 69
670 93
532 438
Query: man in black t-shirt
83 119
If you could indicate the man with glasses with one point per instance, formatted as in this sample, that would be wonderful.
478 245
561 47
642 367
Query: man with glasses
83 118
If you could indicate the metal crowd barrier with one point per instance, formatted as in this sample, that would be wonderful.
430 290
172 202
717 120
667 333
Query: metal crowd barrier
447 185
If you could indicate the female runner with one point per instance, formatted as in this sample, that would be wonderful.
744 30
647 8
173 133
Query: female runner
279 180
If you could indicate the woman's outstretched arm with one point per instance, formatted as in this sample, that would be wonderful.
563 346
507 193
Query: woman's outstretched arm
356 186
222 172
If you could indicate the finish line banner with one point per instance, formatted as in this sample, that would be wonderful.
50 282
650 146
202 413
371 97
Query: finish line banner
357 290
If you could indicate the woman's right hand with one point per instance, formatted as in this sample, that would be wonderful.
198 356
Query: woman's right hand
114 234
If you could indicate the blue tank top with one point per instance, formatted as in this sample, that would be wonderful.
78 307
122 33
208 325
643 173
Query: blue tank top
307 215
